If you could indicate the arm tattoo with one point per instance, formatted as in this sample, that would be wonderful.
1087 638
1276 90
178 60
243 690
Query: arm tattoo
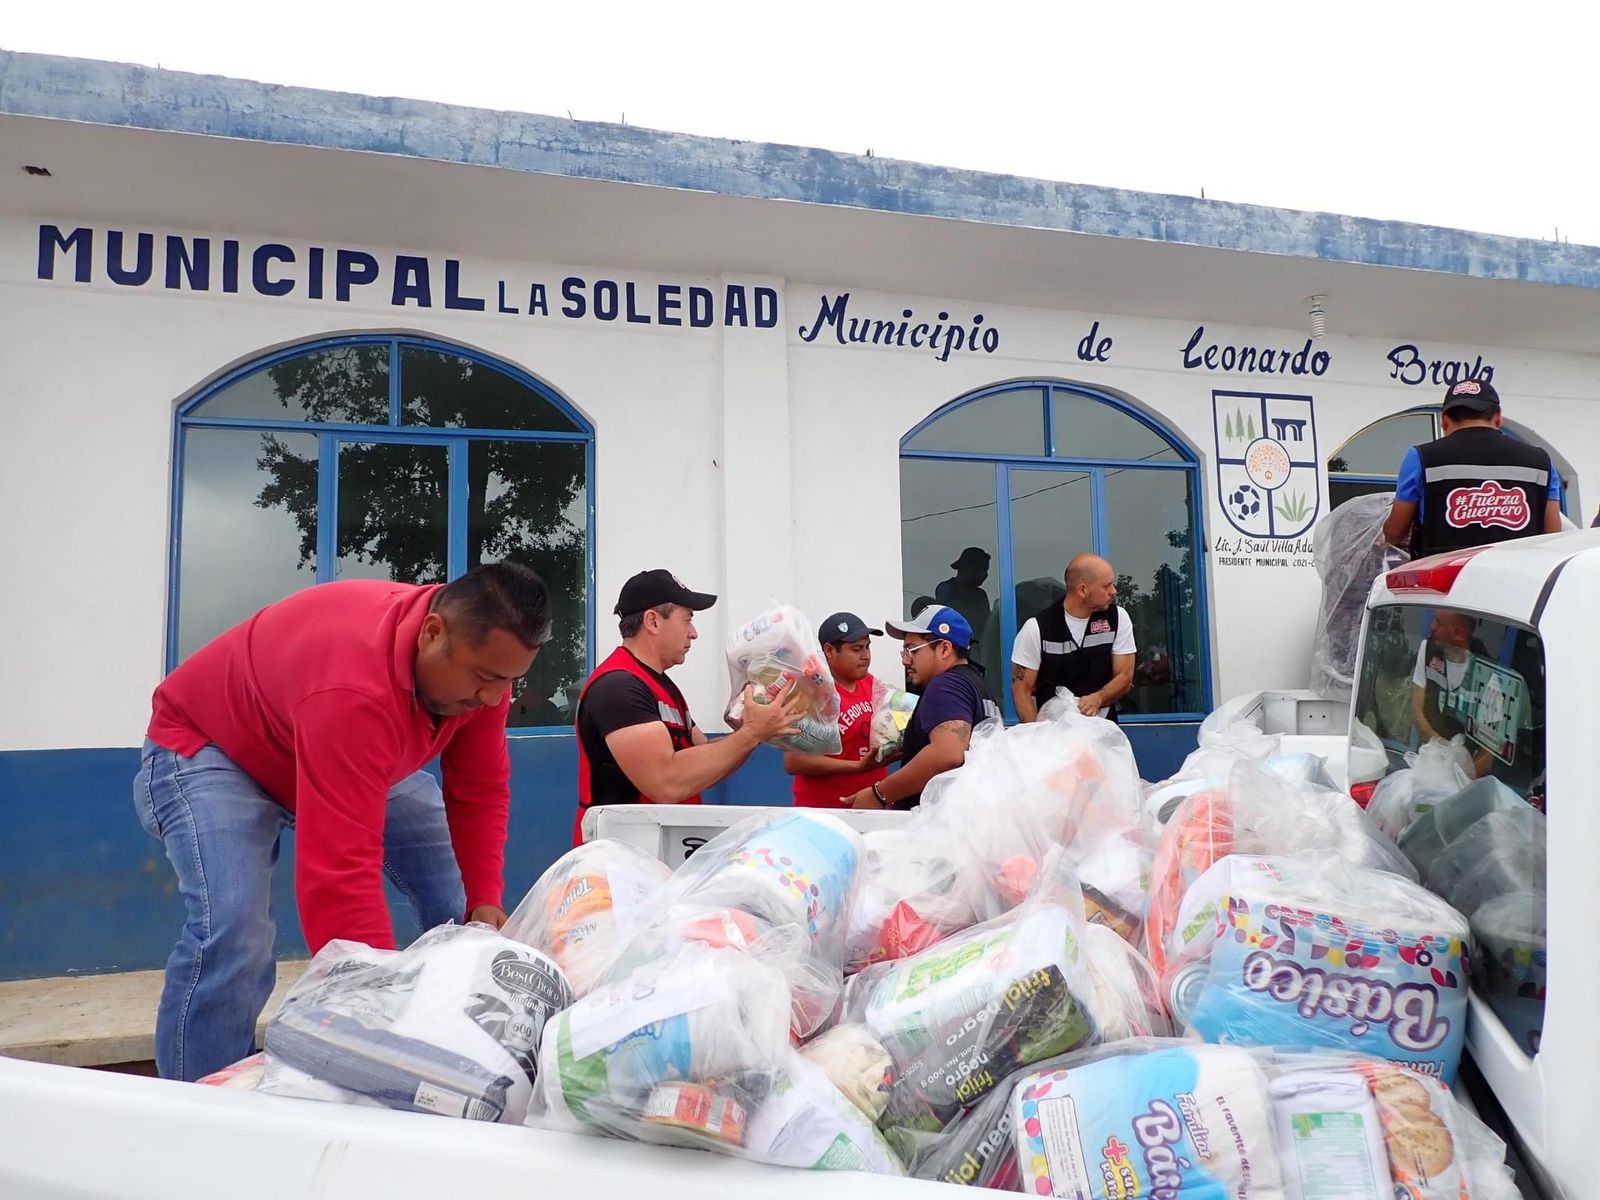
1018 673
962 729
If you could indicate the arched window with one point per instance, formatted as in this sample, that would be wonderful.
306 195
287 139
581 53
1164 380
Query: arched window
1370 461
1000 488
382 457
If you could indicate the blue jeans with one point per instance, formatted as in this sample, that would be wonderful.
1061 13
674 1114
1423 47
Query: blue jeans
221 835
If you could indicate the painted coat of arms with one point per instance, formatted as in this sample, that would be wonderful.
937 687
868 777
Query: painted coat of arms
1267 463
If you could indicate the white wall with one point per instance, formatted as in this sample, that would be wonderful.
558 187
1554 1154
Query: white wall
747 460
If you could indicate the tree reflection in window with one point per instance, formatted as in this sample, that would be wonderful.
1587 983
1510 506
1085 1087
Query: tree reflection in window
401 510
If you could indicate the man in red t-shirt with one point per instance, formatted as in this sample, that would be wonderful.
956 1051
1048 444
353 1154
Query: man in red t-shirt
828 780
319 713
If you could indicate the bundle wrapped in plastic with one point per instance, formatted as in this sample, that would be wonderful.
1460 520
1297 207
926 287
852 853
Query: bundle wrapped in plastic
1200 1121
1256 812
891 714
1510 960
450 1025
587 907
779 656
959 1016
691 1048
1502 854
1350 552
1318 952
1438 771
975 847
1432 832
780 884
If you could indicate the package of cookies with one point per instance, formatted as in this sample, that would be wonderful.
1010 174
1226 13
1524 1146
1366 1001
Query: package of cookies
1359 1128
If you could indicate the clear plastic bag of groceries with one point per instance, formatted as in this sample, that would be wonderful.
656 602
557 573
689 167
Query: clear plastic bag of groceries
1200 1121
1350 553
1318 952
782 884
1438 771
1196 1120
778 654
891 715
956 1017
857 1064
450 1025
973 849
1502 853
691 1047
1509 961
587 907
1255 812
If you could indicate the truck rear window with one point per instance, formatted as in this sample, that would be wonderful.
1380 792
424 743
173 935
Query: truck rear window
1457 702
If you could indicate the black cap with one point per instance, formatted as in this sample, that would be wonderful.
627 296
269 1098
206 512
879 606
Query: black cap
972 556
845 627
1474 395
649 589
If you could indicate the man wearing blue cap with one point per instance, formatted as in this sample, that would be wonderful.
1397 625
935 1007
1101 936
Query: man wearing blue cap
954 701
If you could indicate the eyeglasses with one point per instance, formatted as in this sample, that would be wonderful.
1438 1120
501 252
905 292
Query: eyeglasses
908 651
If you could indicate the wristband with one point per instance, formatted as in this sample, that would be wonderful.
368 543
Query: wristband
878 796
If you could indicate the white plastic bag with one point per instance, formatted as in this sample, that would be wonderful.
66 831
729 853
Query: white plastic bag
1438 770
782 885
450 1025
975 847
778 654
587 906
996 996
1350 553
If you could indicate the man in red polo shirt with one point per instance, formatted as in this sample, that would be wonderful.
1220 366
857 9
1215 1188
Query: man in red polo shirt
319 713
828 780
637 743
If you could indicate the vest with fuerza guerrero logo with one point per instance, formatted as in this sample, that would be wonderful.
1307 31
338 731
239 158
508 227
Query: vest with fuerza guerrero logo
674 715
1480 486
1080 667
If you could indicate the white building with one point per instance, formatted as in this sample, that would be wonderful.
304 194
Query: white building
256 337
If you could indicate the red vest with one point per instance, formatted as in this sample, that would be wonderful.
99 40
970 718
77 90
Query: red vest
674 717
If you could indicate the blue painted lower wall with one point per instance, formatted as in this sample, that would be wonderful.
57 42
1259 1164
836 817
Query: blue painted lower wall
83 889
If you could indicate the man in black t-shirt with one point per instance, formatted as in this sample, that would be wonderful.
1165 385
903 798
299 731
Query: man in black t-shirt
954 701
637 743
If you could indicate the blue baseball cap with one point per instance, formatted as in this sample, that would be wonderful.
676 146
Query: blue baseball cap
935 621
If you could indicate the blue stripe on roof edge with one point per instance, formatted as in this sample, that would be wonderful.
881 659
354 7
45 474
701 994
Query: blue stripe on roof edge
119 94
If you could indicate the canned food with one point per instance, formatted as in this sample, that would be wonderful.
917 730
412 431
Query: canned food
698 1108
1184 988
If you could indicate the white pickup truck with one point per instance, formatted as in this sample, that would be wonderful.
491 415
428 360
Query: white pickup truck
1524 688
1501 645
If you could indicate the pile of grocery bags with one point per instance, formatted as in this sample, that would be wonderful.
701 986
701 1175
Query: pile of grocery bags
1051 978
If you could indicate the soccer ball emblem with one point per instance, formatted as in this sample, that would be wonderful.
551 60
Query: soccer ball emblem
1244 501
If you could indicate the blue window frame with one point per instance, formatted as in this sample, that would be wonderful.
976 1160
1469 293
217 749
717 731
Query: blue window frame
1369 462
390 457
1024 475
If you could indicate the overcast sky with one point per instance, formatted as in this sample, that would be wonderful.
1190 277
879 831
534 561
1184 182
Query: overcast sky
1482 116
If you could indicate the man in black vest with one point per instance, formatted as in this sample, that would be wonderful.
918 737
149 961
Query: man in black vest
1084 644
1475 485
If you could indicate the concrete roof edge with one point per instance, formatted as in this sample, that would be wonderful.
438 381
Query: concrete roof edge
120 94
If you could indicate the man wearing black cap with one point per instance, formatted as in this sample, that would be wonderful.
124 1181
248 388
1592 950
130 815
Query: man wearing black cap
828 780
964 590
1475 485
637 743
